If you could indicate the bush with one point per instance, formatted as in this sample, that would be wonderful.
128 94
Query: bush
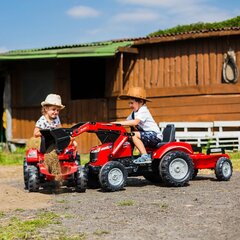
233 22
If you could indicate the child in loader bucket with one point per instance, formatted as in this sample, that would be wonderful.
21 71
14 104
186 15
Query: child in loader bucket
146 130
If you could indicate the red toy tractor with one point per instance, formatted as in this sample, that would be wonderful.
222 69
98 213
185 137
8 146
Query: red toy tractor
36 173
173 163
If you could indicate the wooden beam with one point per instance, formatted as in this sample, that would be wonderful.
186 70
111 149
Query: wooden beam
194 90
121 74
128 50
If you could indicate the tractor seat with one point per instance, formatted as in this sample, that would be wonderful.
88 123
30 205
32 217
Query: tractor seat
168 135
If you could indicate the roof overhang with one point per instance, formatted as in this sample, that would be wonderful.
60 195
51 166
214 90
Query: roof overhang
101 49
211 33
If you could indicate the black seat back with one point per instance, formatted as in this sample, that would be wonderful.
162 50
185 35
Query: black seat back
168 135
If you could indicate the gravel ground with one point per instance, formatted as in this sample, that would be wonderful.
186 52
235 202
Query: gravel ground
205 209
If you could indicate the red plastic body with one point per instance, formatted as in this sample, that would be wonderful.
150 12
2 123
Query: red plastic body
68 167
122 148
204 161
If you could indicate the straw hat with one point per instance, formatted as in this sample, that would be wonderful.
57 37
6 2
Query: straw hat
53 99
135 92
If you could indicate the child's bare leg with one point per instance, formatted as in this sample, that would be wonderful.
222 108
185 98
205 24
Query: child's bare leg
138 143
145 158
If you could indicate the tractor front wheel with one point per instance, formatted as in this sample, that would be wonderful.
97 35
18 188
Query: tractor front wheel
113 176
33 179
81 179
223 169
25 174
176 168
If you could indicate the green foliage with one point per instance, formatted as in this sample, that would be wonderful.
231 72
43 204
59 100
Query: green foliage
126 203
8 158
101 232
233 22
18 229
235 159
84 159
80 236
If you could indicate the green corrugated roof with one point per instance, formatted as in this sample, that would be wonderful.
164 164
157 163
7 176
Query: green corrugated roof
99 49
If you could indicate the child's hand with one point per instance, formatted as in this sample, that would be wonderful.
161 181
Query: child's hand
73 142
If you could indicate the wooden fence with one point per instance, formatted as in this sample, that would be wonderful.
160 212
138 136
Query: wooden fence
225 134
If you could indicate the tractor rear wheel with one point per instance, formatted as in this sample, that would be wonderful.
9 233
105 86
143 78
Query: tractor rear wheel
81 179
33 179
113 176
223 169
176 168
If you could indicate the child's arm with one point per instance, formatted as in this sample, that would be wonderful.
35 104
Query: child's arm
133 122
36 132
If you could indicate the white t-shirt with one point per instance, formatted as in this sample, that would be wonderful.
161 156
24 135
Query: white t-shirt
147 122
43 123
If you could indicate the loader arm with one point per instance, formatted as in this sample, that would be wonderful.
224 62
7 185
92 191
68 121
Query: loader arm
60 138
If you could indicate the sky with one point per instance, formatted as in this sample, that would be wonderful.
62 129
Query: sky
27 24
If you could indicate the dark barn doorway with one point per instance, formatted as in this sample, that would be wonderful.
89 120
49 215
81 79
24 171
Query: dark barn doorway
2 129
87 78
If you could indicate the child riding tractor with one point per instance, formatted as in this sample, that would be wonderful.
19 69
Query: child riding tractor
172 163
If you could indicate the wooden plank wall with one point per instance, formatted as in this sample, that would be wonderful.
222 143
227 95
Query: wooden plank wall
77 111
86 110
195 62
184 80
23 121
189 108
24 118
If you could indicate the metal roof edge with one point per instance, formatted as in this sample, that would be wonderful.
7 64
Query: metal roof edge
83 50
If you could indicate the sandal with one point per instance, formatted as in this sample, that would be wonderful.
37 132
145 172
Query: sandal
143 159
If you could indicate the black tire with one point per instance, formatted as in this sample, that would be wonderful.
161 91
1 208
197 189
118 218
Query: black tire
33 179
154 176
25 174
93 180
195 173
113 176
176 169
81 179
223 169
78 159
71 181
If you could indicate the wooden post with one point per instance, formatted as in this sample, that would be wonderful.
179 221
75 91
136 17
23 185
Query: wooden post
121 74
7 107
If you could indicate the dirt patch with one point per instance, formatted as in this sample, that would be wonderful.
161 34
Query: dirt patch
13 195
205 209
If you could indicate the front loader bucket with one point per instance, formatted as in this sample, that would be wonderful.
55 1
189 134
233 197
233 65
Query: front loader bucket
58 138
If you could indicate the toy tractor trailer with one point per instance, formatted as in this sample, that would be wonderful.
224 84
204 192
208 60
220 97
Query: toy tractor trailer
111 162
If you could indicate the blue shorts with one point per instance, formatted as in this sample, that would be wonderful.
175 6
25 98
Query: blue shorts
149 139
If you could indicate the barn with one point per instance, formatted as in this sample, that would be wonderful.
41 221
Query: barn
191 76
